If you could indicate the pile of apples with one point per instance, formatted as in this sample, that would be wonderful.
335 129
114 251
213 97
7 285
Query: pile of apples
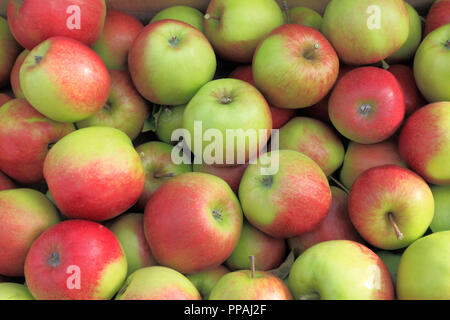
93 205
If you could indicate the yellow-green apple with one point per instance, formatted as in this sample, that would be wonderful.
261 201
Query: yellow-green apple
76 260
169 120
4 98
367 105
424 142
288 202
9 50
157 283
206 280
14 291
242 122
34 21
193 222
185 14
15 75
25 139
156 158
169 61
115 42
426 263
392 261
390 206
438 15
295 66
129 230
25 214
305 16
64 80
362 31
335 226
441 219
340 270
94 173
231 174
432 65
360 157
125 109
235 27
5 182
316 140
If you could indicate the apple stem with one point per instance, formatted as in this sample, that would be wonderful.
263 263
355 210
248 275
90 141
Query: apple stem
167 175
252 262
208 16
385 65
285 8
339 184
398 233
423 19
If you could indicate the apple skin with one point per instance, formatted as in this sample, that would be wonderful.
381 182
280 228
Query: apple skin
360 157
426 261
432 65
346 25
118 34
335 226
5 182
64 80
4 98
306 17
235 27
193 222
231 174
25 139
392 261
441 219
290 71
170 119
185 14
438 16
288 203
156 158
125 109
170 61
206 280
390 189
424 142
94 173
88 245
340 270
129 230
14 291
9 50
367 105
15 75
314 139
34 21
25 214
158 283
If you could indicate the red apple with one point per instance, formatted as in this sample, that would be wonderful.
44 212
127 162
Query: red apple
438 15
15 75
4 98
5 182
9 49
231 174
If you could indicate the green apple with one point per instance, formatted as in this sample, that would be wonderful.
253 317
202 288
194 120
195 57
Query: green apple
306 17
206 280
391 260
169 120
441 219
14 291
185 14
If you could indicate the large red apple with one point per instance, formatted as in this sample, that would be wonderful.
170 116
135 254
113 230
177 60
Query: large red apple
9 49
5 182
438 15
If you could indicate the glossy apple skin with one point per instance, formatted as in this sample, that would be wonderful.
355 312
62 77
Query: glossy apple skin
34 21
299 75
236 27
169 61
426 261
240 285
4 98
118 35
340 270
231 174
306 17
438 15
9 50
424 142
395 190
25 137
288 203
14 291
158 283
170 119
94 173
206 280
88 245
15 75
367 105
346 25
185 14
441 219
69 84
25 214
335 226
5 182
193 222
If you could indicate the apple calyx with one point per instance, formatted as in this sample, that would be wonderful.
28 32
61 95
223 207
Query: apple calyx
217 214
38 59
310 296
54 259
309 54
267 181
398 233
174 41
225 100
253 267
365 109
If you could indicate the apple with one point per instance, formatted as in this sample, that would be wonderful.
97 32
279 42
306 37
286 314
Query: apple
169 120
25 214
193 222
367 105
34 21
438 15
4 98
64 80
156 158
295 66
314 139
170 61
392 261
129 230
286 203
231 174
335 226
94 173
25 139
235 27
185 14
157 283
441 219
15 75
424 142
125 109
9 50
306 17
432 65
14 291
76 260
340 270
5 182
206 280
390 206
118 34
426 262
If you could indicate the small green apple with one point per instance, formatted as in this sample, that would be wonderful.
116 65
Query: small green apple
170 119
305 16
206 280
14 291
185 14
